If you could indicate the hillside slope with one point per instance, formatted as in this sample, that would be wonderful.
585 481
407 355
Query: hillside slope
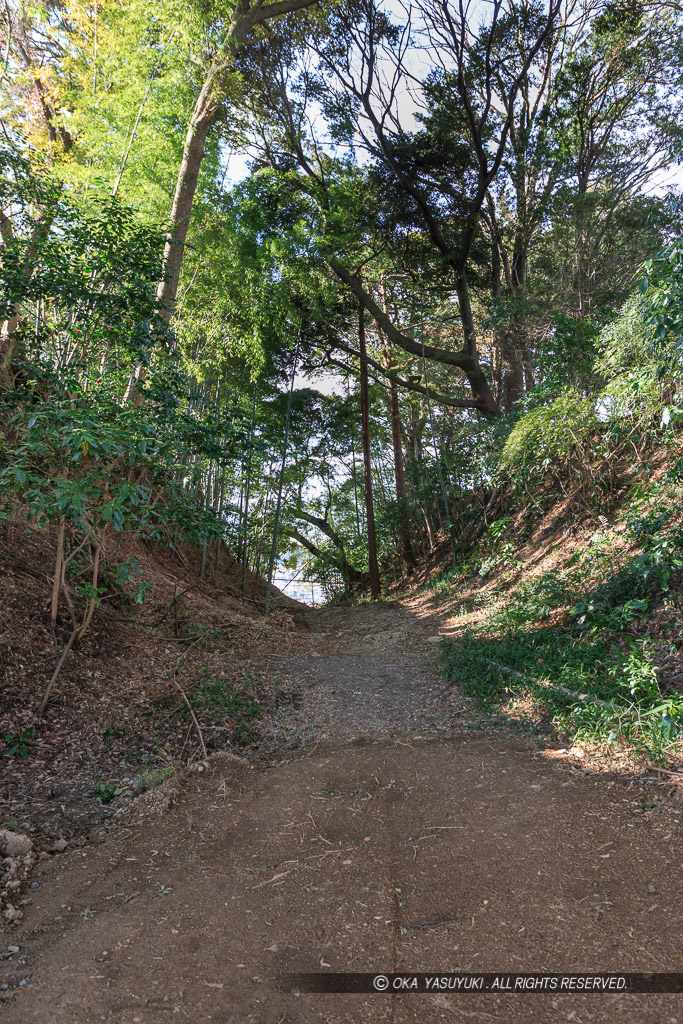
569 620
395 830
129 704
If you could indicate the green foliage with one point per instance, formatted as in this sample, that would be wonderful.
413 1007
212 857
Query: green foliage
238 705
444 582
596 649
537 598
566 361
564 674
662 288
624 342
547 260
128 572
626 595
500 547
105 792
548 439
327 566
633 367
76 455
72 449
89 273
17 744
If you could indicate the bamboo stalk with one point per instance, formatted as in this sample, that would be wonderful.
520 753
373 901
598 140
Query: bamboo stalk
91 604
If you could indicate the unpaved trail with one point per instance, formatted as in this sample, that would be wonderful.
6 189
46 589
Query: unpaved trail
396 839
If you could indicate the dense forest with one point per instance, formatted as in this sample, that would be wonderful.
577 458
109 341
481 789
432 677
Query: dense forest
333 288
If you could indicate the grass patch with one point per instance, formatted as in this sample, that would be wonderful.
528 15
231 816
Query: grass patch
148 778
594 688
220 701
592 666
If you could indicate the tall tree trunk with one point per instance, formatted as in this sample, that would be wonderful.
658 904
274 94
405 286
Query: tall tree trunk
203 116
407 554
8 343
508 370
245 17
353 464
519 334
281 479
247 488
466 360
510 342
480 386
415 454
373 565
512 370
439 467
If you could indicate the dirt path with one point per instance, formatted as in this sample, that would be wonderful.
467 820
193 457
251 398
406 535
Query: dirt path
395 840
370 673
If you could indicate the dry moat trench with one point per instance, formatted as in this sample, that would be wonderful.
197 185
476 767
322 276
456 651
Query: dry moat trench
395 838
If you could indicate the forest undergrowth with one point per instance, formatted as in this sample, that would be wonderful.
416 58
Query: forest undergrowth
150 689
576 616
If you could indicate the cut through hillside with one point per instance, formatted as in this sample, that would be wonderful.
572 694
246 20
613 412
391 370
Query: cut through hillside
386 299
402 834
357 812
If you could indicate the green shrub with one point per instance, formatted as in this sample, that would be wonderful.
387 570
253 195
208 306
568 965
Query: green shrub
221 701
630 366
565 671
596 675
547 440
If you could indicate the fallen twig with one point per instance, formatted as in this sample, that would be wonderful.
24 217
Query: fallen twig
546 685
48 691
194 717
666 771
275 878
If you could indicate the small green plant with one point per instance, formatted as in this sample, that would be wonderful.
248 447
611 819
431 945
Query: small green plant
105 792
502 551
237 704
17 745
497 530
112 732
487 565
